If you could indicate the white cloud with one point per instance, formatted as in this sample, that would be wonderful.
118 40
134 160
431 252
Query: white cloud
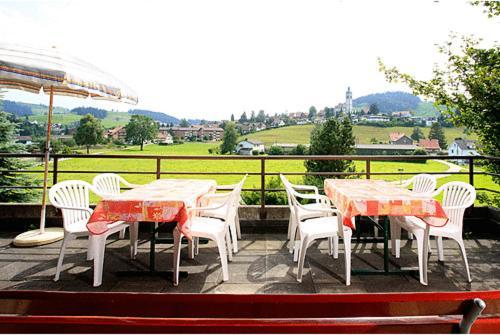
208 59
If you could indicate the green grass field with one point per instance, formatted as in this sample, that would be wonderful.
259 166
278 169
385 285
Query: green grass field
208 166
300 134
112 120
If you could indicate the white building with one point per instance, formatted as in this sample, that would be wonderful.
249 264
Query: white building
461 147
247 147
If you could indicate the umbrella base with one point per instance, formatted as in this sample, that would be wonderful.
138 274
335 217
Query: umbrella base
33 238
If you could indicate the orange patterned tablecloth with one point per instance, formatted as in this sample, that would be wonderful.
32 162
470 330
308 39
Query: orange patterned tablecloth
368 197
164 200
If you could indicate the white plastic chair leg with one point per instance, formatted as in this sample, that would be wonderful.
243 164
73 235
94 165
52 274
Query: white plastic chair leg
395 239
99 246
419 236
228 245
439 245
347 255
134 232
66 239
234 235
288 235
296 245
293 235
223 257
425 254
410 236
177 255
122 233
90 251
464 258
191 248
330 246
304 242
335 246
238 227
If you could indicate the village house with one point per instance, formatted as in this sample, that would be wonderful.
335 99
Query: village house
400 138
461 147
247 147
164 136
429 145
117 134
198 133
375 118
402 114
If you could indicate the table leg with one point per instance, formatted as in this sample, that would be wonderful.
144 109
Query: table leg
152 247
386 243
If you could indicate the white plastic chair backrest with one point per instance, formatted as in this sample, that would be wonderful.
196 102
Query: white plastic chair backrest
457 194
288 187
71 193
234 199
424 183
108 183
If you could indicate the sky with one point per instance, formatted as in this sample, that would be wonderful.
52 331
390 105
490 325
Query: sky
209 59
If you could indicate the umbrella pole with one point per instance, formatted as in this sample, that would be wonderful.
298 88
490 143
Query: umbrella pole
46 163
42 236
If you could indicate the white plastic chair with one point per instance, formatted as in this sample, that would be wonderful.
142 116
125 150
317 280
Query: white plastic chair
328 226
72 197
108 184
221 213
457 196
298 214
211 228
423 184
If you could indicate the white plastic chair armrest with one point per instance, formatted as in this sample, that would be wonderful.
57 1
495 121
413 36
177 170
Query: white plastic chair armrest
197 209
88 210
114 224
305 188
456 207
227 187
317 197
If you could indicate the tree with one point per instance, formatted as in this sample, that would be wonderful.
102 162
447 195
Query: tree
466 88
373 109
229 139
243 118
312 113
89 132
436 133
261 116
232 117
252 116
8 145
334 137
417 134
141 128
184 123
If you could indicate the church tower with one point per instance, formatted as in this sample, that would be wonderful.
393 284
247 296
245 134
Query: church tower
348 101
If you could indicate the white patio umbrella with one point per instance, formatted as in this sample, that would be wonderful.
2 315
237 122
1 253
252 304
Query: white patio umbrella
56 73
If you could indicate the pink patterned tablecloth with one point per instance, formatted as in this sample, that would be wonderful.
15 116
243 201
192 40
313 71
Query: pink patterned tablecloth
367 197
164 200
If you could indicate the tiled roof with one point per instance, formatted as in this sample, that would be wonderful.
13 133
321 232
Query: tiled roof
429 144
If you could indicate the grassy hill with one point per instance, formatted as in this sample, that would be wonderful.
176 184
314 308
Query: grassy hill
113 119
301 134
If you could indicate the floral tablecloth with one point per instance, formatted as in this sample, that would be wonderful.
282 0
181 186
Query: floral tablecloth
164 200
368 197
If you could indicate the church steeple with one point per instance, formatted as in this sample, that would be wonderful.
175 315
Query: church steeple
348 100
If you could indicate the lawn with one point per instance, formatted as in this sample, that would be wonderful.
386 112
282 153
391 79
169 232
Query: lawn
208 166
364 134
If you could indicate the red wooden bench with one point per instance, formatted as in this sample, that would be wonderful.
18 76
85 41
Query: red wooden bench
90 312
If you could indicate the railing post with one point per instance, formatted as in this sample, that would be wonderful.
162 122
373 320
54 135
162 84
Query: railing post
158 168
262 188
471 171
368 168
54 171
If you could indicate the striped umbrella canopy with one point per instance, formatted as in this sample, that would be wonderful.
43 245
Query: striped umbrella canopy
32 69
54 72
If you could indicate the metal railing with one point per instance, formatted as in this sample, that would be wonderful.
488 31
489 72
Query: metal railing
158 172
